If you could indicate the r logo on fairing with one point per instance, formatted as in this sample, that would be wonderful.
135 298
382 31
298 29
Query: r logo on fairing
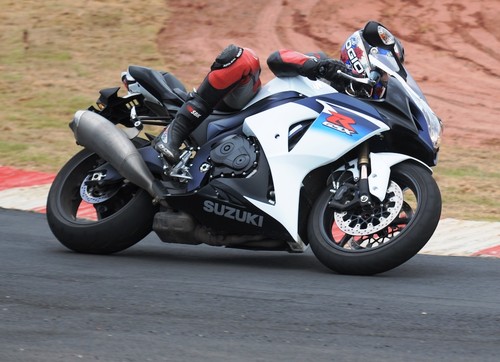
337 121
340 123
233 213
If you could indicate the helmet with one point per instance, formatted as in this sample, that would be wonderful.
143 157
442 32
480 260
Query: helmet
354 54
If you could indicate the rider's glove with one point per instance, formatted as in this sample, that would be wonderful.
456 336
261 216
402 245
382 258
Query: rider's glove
327 69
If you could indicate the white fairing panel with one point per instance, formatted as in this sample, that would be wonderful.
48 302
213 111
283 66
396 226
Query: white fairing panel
299 84
320 145
333 132
288 169
271 128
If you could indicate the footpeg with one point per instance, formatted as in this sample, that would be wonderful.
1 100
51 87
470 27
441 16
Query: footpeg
181 170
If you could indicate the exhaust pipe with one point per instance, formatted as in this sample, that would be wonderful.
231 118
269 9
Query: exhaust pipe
99 135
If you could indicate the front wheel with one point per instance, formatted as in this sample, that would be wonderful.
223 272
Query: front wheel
363 241
117 217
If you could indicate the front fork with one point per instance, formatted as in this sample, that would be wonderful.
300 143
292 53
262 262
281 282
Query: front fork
370 179
355 194
364 168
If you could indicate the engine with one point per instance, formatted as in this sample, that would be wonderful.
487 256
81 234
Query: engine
234 156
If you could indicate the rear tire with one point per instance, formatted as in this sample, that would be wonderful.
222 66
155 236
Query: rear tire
119 222
389 247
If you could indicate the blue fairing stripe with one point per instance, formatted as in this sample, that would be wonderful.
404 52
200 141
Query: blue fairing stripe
228 122
335 115
341 100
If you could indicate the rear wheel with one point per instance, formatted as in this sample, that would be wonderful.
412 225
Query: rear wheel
94 219
370 241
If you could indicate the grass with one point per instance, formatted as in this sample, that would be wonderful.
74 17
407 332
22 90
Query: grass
54 57
469 183
56 54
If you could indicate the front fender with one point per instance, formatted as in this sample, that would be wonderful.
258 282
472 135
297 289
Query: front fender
381 164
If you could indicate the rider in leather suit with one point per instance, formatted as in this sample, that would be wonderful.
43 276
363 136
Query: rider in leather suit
233 81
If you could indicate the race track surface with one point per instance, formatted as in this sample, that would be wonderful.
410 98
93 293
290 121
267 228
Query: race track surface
162 302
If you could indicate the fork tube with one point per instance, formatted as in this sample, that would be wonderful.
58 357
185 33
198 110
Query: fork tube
363 164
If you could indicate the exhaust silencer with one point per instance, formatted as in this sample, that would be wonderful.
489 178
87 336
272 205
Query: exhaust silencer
99 135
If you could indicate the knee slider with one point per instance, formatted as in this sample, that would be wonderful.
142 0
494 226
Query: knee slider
227 57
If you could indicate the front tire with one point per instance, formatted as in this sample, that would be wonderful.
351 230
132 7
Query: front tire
392 245
110 226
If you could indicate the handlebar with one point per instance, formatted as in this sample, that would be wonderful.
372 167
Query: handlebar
372 79
362 86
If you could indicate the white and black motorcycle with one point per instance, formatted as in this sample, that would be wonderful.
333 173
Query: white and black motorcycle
300 165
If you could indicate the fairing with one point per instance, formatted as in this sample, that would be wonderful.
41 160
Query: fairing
335 130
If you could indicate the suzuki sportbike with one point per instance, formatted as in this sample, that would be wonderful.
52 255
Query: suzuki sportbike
348 174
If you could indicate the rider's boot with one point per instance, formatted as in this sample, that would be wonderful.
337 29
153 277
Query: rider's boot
189 116
171 138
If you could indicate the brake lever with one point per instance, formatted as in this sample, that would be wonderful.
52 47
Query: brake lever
366 81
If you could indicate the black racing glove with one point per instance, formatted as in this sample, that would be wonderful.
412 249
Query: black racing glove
327 69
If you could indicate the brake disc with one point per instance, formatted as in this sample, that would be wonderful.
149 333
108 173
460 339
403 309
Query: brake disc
95 196
381 216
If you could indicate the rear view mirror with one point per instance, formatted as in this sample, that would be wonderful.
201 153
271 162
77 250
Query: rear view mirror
377 35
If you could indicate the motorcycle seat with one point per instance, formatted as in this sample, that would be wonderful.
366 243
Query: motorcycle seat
163 86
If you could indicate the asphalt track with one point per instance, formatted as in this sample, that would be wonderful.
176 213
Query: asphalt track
163 302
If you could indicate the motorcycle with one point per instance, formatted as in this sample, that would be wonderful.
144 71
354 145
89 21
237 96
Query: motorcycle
301 165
